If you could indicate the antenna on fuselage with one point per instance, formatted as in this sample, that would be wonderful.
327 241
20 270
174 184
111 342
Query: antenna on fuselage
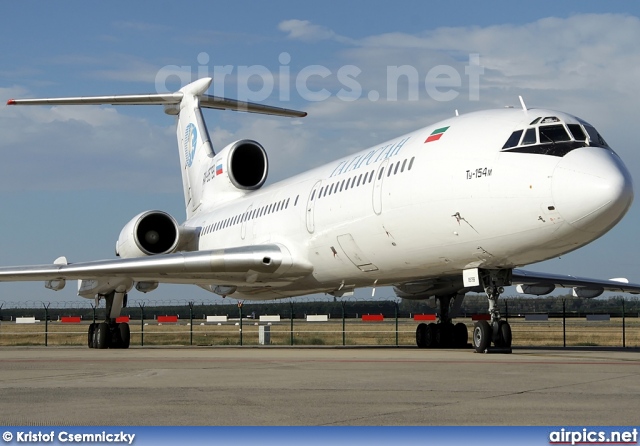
524 107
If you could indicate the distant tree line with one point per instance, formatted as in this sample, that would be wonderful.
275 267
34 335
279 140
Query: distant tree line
473 304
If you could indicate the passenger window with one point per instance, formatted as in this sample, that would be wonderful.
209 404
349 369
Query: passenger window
286 205
396 169
341 185
411 162
513 140
390 169
313 194
359 178
371 175
296 202
529 137
380 174
404 163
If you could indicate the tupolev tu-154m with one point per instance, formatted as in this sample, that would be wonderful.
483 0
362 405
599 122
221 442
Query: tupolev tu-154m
450 208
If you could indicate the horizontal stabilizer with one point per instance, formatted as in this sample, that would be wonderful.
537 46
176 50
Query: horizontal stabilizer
206 101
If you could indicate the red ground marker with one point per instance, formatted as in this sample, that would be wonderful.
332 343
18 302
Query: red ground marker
481 317
372 317
167 319
70 319
424 317
121 319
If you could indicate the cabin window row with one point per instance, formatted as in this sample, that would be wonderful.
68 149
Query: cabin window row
249 215
362 179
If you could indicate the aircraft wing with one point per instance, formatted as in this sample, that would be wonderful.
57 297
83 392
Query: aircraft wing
231 266
526 282
582 286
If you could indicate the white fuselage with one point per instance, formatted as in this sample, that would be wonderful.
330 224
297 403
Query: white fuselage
409 209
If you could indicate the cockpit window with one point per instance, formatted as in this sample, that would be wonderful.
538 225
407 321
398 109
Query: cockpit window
553 133
594 137
513 140
577 132
529 137
550 136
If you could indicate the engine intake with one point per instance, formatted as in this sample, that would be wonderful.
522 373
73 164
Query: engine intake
148 233
247 164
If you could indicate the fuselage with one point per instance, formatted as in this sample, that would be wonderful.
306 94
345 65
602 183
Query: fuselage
492 189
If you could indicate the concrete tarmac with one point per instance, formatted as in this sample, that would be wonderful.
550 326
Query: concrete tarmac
317 386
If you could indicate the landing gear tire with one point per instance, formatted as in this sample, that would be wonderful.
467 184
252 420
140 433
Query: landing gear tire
504 335
124 335
481 336
91 335
460 335
431 335
444 335
102 335
421 335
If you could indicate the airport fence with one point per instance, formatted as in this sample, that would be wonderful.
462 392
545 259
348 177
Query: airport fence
346 322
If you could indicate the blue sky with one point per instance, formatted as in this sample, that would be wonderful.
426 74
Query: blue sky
72 177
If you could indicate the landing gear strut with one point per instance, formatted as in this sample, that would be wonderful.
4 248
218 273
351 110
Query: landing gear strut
443 334
495 330
109 333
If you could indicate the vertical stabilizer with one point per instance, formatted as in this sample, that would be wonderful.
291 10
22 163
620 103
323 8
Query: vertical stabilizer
194 143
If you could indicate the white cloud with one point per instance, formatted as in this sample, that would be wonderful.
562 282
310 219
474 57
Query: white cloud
308 32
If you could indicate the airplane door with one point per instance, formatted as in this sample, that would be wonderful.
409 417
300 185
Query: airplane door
245 222
355 254
377 187
311 204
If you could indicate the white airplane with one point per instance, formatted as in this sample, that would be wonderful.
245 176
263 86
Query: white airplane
450 208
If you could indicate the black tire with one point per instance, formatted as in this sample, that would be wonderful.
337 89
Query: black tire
421 330
444 335
91 334
431 336
124 335
481 336
504 331
103 335
460 335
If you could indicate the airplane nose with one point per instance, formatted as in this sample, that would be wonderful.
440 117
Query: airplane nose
592 189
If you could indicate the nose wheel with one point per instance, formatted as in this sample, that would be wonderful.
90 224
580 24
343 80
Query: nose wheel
495 331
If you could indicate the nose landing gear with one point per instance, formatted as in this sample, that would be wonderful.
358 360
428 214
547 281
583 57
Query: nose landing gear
495 330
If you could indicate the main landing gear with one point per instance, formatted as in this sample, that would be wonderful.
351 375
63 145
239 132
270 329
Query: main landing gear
495 331
110 334
443 334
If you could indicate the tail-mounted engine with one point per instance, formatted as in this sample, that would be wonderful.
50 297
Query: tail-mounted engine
245 162
149 233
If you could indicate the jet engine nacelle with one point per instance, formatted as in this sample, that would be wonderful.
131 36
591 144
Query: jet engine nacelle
148 233
246 163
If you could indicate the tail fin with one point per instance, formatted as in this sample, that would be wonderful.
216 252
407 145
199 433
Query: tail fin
193 138
194 142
